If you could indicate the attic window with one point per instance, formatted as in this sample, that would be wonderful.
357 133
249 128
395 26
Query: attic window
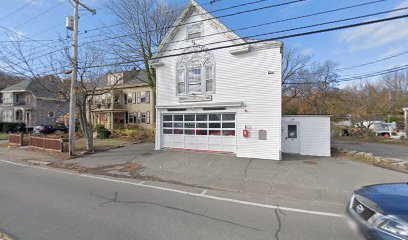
194 31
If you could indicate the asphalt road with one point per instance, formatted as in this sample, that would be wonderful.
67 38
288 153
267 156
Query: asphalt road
43 204
377 149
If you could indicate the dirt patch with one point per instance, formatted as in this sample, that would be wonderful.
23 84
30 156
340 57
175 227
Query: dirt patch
131 167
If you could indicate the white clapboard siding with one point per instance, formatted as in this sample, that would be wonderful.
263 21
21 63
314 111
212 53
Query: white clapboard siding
314 134
253 78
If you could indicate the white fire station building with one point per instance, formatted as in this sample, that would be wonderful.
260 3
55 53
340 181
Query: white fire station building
217 93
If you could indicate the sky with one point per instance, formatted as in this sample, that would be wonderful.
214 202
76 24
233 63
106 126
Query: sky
45 20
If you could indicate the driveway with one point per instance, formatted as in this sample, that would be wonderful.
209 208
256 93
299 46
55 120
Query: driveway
316 183
377 149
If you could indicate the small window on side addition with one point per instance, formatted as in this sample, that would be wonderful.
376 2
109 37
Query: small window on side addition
194 31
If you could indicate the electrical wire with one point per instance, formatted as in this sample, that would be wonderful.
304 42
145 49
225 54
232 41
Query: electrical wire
293 29
372 62
16 10
211 17
40 14
257 25
266 40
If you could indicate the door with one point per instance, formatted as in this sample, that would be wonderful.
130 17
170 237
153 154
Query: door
291 138
205 131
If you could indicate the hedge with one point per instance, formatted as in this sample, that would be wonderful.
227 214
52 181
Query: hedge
6 127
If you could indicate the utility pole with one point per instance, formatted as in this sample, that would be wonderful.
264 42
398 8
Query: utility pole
74 88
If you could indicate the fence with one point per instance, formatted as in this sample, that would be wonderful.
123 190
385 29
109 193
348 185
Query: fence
16 139
54 144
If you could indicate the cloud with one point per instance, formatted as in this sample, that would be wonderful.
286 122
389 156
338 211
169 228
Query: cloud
376 35
307 51
16 35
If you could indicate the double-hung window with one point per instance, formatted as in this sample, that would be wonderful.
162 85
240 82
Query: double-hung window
143 118
194 31
194 80
209 79
129 98
181 78
143 97
130 117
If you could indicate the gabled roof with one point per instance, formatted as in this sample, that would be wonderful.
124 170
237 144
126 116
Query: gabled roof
48 88
191 7
5 83
131 78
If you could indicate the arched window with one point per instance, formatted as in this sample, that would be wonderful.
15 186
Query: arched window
195 72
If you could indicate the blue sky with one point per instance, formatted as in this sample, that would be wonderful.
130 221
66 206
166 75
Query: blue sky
347 47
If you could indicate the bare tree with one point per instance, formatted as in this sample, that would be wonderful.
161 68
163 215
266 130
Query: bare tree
318 84
19 60
144 23
293 65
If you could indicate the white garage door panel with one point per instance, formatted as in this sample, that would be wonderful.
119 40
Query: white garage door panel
215 147
212 131
178 145
168 141
228 141
214 140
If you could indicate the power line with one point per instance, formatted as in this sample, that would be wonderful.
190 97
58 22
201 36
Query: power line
297 28
263 34
374 74
257 25
267 40
16 10
212 17
232 14
372 62
40 14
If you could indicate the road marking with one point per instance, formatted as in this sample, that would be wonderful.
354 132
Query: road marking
201 195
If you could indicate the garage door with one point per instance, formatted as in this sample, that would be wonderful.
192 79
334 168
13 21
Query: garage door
214 131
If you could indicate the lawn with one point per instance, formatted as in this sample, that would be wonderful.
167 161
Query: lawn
3 136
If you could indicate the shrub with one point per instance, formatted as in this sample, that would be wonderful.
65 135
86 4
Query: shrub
12 127
99 127
135 133
102 132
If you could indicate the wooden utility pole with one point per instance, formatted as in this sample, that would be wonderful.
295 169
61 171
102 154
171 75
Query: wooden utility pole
74 88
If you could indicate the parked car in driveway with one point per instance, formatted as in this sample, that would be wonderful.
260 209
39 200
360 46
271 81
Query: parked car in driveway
380 212
43 129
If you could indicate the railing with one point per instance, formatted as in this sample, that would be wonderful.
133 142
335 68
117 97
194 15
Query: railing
54 144
16 139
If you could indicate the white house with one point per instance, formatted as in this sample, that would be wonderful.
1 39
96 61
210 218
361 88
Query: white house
209 96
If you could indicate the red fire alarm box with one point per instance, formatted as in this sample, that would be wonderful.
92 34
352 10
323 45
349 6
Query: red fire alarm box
245 133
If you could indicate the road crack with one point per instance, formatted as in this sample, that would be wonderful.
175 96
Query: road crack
278 218
115 199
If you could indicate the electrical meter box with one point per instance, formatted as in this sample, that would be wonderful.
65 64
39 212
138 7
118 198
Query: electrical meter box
69 23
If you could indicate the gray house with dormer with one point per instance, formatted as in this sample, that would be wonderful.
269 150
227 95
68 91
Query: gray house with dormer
34 102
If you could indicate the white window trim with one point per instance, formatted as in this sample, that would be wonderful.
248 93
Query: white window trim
190 26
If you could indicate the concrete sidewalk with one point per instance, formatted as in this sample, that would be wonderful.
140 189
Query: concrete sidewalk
296 179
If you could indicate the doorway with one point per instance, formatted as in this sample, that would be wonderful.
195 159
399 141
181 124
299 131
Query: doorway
291 137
